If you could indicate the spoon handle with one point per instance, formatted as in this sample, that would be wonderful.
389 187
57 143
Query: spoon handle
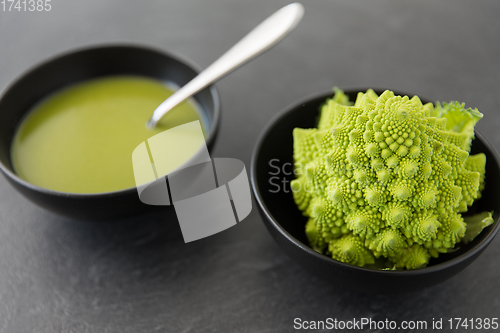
260 39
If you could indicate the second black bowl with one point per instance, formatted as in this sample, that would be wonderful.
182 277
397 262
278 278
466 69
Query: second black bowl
272 171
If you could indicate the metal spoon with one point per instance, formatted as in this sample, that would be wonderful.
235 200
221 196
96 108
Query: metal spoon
260 39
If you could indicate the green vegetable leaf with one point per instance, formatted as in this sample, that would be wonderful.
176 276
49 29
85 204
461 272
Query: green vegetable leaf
476 224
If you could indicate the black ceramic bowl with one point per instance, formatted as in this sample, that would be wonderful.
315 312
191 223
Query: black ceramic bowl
272 157
79 66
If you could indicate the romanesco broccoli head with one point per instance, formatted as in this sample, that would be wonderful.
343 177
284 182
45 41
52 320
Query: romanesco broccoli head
387 178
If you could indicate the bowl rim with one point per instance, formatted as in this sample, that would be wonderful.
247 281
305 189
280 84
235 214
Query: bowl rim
321 257
132 46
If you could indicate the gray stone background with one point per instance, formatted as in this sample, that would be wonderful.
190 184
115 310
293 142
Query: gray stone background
137 275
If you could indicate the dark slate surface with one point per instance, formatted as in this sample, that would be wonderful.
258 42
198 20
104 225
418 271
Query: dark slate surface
137 275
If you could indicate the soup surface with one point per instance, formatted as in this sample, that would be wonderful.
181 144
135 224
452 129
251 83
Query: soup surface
81 139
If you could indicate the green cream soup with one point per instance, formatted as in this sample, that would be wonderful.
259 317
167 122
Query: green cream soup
81 139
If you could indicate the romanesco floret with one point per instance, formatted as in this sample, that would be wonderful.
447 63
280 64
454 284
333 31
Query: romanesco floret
387 178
